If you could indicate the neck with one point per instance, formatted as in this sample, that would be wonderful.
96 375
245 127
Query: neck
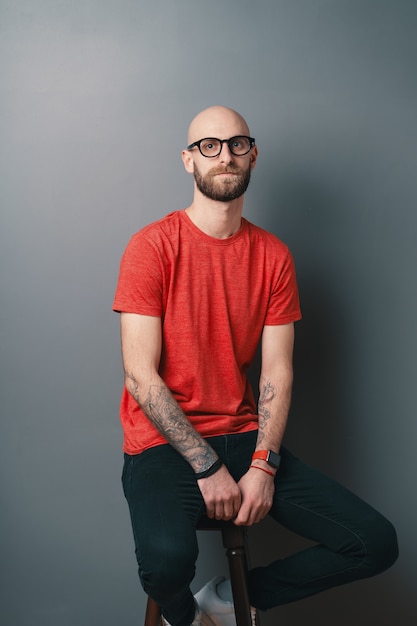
216 219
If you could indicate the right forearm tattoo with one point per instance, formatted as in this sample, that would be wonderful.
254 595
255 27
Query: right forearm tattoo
167 416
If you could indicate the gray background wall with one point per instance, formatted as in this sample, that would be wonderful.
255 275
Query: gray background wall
95 100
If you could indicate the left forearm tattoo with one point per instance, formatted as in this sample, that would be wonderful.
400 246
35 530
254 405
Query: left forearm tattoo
267 395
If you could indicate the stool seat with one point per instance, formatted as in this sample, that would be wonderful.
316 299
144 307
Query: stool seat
234 539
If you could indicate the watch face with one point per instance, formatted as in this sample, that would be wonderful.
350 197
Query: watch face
274 459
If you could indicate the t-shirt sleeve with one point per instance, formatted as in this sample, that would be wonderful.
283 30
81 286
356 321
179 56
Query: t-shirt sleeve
139 287
284 303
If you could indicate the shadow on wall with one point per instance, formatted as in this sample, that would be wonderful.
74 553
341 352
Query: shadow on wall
316 427
318 223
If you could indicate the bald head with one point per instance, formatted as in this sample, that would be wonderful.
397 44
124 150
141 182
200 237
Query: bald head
217 121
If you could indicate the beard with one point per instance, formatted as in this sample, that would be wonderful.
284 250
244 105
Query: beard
224 190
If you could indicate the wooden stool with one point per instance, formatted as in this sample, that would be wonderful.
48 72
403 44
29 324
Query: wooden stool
234 542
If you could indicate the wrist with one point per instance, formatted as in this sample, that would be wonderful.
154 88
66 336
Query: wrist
268 471
269 457
210 470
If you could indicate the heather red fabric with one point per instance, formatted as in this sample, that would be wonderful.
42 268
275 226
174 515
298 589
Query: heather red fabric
214 297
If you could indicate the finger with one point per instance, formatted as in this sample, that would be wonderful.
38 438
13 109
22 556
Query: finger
237 503
231 507
250 514
210 512
219 514
230 512
243 517
261 513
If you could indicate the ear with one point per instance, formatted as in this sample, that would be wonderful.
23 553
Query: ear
188 161
253 157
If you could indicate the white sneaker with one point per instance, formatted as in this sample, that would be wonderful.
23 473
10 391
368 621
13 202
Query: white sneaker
221 612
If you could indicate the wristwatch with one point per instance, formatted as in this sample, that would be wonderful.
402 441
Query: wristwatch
272 458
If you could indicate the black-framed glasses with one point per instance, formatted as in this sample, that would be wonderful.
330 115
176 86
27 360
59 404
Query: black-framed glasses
211 147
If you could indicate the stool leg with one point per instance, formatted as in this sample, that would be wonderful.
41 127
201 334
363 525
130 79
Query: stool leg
153 614
234 542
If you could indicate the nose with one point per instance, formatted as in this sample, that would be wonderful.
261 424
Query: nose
226 156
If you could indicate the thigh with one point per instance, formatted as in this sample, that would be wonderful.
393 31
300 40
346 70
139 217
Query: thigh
165 504
320 509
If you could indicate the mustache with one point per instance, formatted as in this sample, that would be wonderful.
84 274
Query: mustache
225 170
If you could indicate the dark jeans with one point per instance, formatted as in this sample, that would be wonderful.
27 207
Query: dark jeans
352 540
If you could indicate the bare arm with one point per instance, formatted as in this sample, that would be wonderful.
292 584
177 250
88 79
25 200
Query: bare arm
275 384
141 351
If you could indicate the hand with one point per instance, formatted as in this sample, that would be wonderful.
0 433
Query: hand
257 491
221 495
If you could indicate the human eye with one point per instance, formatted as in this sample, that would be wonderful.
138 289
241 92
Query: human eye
209 146
239 143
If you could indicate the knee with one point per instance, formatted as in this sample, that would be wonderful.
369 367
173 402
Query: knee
381 547
170 567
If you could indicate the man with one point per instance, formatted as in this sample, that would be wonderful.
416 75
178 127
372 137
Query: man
197 292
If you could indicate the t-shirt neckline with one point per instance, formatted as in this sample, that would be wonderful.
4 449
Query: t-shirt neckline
208 238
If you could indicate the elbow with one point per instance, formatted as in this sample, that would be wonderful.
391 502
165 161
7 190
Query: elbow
281 377
139 384
131 384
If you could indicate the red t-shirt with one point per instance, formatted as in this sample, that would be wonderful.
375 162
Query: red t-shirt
214 296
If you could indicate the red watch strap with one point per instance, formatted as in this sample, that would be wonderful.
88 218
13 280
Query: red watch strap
260 454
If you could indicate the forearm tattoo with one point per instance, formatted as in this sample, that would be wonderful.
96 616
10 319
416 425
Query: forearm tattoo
166 415
267 395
